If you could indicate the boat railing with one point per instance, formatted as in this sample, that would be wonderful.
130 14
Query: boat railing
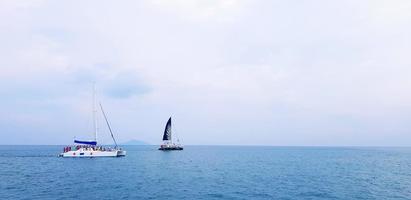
89 148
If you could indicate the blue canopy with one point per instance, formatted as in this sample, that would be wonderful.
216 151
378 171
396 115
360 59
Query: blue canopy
85 142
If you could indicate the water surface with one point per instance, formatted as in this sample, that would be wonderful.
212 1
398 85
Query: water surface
208 172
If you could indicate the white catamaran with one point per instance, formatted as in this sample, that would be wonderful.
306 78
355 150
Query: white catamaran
168 140
89 148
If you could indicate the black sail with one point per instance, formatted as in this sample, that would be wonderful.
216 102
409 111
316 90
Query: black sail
167 130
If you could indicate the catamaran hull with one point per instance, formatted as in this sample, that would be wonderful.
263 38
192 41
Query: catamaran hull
121 153
91 154
170 148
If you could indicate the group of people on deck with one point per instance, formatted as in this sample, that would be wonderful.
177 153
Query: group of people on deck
87 148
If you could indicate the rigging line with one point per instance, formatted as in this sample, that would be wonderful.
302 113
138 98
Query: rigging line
175 132
108 124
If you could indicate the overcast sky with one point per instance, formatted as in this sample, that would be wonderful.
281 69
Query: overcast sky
250 72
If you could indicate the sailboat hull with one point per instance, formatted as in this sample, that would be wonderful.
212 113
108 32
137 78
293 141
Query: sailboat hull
92 153
170 148
121 153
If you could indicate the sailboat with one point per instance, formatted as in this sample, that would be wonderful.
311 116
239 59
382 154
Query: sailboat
89 148
168 143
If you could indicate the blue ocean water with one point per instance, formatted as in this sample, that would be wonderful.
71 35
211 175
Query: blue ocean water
208 172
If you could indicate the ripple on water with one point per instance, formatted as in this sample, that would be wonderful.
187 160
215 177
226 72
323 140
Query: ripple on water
208 173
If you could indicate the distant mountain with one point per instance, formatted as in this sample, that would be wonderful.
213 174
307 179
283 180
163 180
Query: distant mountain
135 142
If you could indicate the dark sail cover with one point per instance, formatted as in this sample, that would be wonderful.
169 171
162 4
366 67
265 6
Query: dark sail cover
167 130
85 142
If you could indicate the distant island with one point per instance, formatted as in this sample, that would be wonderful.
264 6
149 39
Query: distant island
135 142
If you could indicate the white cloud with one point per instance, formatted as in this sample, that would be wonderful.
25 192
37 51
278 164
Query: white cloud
203 10
282 70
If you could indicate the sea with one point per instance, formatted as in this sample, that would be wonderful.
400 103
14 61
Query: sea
208 172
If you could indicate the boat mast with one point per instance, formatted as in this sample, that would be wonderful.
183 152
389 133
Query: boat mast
171 130
94 112
170 141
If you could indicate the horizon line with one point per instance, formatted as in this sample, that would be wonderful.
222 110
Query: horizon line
244 145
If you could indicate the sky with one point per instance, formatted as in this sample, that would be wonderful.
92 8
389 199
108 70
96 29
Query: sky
232 72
